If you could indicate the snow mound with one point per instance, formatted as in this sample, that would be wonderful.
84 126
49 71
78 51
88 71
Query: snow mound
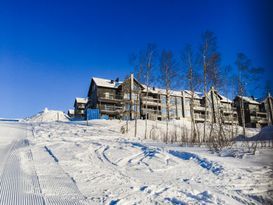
48 116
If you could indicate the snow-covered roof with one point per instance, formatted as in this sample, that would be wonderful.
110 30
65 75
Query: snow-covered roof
71 111
153 89
81 100
222 98
161 91
107 83
195 94
249 99
225 99
101 82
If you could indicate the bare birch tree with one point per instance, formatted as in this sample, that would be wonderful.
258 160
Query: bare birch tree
167 77
210 60
193 82
247 74
243 64
144 69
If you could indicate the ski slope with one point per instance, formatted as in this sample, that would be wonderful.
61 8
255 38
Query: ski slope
29 175
69 163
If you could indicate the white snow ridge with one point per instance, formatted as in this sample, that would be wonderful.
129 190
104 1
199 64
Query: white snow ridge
48 116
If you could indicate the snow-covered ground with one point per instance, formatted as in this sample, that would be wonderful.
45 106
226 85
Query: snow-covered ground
71 163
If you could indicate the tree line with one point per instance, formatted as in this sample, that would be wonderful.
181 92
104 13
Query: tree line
198 68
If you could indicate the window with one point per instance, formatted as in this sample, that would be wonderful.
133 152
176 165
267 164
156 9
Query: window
126 96
179 112
187 102
178 100
127 107
106 95
163 99
172 100
164 111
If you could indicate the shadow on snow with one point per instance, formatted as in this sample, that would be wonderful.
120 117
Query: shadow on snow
204 163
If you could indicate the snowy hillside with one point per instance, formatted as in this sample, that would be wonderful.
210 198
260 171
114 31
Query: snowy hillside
71 163
128 171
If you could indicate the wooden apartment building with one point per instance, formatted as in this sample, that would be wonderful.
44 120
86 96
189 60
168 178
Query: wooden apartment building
130 99
251 111
220 108
79 107
267 106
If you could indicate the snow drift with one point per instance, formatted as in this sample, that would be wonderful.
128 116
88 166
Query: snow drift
48 116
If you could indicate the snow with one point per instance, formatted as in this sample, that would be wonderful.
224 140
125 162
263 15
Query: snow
197 95
101 82
81 100
48 116
71 111
107 83
70 163
249 99
225 99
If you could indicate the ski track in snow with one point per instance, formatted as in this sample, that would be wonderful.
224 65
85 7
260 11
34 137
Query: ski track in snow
62 163
16 186
25 180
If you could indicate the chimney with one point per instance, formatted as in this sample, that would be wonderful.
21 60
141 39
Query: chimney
117 79
153 88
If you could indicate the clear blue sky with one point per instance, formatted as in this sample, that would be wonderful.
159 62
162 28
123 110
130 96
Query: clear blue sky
49 50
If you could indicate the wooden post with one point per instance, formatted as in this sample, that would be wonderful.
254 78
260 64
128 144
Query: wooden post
131 95
213 105
183 104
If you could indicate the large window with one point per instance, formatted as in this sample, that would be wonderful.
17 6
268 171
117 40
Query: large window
187 102
164 111
172 100
126 96
106 95
163 100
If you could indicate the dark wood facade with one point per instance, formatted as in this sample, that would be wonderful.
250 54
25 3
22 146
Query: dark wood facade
79 107
267 106
253 112
130 99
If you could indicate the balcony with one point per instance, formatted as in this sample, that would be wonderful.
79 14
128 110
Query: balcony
110 98
229 110
151 103
79 112
81 106
235 121
262 121
150 111
199 108
149 98
253 111
111 109
261 114
199 117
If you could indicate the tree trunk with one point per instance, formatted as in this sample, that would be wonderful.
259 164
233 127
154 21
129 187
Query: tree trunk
242 110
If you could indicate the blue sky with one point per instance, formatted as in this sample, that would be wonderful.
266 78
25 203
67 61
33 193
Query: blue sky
49 50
